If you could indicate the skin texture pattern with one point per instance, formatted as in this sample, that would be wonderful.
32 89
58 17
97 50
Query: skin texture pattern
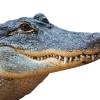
31 48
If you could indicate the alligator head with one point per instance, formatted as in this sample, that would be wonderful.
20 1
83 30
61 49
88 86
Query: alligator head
36 45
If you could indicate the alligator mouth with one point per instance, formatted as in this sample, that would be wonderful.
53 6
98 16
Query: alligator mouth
61 58
65 56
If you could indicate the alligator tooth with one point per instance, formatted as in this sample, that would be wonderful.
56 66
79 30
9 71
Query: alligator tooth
32 57
59 58
50 55
44 57
77 58
38 58
53 56
41 58
65 60
82 56
88 56
70 59
93 57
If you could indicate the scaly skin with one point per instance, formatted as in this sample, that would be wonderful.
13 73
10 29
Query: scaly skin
31 48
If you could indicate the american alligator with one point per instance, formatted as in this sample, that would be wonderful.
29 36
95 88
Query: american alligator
31 48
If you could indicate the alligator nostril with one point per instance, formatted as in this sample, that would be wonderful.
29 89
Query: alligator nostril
42 18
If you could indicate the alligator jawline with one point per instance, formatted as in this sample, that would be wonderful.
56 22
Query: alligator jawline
64 57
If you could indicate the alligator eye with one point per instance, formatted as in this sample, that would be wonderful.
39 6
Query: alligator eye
25 26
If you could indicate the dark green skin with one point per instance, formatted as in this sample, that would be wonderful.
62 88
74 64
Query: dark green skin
47 36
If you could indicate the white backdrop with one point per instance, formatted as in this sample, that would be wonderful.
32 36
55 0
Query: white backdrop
81 83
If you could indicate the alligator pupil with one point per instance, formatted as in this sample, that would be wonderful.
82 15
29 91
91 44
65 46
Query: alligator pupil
25 27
